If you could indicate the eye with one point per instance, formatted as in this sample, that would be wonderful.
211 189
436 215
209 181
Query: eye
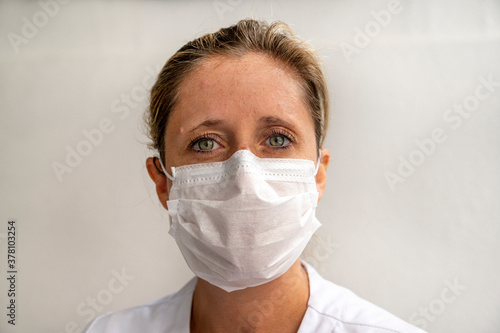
204 144
279 140
276 140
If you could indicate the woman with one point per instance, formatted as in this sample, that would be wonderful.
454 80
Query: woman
239 118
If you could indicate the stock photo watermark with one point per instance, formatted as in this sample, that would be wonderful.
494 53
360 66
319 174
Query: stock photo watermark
318 251
93 306
31 27
222 7
453 117
371 30
12 270
263 309
438 305
94 137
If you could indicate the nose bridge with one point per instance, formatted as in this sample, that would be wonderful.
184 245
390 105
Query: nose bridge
244 139
242 147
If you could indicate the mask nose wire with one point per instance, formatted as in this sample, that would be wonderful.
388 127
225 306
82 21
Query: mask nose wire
165 171
318 162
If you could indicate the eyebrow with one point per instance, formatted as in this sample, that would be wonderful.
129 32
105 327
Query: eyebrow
275 121
207 123
269 120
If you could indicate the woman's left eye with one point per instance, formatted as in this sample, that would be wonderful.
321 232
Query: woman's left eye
278 141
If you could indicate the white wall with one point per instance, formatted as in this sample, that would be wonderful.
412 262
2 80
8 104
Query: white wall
400 249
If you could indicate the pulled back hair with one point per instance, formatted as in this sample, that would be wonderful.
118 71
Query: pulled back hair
275 40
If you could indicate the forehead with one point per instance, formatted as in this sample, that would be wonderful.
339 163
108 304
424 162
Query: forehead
249 82
249 68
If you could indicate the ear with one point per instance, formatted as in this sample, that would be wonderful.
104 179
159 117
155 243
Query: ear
321 175
159 178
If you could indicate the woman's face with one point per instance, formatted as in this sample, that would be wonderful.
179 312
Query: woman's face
227 104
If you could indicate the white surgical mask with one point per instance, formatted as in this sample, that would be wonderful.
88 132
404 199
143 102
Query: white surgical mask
243 222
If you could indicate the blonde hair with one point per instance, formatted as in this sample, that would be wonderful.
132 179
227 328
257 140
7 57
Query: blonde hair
275 40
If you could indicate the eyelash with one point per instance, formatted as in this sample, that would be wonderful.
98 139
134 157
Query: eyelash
205 136
286 134
208 136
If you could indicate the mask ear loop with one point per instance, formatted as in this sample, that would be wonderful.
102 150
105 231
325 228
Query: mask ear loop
165 171
318 162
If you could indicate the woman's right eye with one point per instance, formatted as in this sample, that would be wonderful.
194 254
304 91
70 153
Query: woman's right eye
205 145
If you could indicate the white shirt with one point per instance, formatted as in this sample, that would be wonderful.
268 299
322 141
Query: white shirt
330 308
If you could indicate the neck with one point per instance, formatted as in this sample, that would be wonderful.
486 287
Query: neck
280 303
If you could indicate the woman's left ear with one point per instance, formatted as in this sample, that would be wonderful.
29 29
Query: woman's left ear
321 174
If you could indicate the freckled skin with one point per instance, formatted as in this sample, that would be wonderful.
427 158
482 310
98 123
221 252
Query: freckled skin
238 92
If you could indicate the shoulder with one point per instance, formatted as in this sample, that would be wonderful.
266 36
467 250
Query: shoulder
168 314
334 308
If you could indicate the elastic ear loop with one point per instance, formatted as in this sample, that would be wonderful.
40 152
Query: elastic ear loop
165 171
318 162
